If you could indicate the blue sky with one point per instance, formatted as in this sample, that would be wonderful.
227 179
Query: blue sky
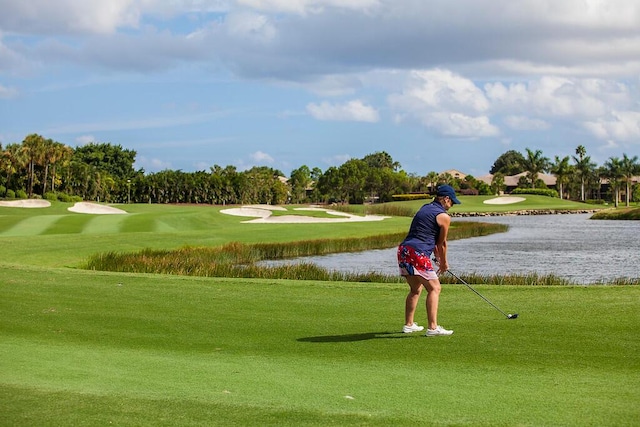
189 84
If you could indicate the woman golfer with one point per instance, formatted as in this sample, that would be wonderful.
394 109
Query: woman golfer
427 235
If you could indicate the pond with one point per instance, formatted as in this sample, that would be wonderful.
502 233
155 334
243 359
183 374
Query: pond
571 246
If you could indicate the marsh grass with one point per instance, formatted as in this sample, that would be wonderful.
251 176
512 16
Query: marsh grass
239 260
620 214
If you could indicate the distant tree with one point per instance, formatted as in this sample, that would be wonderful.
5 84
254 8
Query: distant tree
446 178
112 159
612 170
432 179
561 169
33 147
584 169
509 163
299 181
354 173
534 164
330 186
497 183
381 159
629 168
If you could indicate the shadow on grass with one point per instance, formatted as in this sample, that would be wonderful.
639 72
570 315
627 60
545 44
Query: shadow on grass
354 337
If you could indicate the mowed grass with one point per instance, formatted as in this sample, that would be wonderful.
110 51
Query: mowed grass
86 348
93 348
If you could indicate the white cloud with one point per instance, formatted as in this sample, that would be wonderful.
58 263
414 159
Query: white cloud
526 123
561 97
261 157
622 126
354 110
69 16
151 164
85 139
444 102
302 7
251 26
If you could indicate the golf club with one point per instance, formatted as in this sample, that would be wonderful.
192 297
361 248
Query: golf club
508 316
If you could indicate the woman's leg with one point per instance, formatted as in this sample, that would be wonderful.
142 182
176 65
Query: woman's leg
415 288
433 297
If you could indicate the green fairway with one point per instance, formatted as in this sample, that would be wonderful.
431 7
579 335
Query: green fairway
95 348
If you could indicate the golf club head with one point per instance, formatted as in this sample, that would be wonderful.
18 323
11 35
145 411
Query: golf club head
512 316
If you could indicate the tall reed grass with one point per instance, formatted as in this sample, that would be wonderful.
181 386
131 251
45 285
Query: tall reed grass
238 260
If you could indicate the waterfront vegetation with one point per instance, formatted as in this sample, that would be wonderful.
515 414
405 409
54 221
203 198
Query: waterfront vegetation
88 347
632 213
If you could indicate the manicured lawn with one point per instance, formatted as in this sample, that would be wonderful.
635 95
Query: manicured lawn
94 348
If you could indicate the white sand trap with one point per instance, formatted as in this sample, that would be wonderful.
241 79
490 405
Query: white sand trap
262 214
95 208
28 203
247 212
268 207
504 200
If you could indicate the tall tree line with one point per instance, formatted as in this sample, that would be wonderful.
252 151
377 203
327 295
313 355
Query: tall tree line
40 167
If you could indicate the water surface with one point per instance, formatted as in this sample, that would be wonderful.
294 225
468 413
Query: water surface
567 245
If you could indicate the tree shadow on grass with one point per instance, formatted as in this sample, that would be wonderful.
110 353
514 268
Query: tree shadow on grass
354 337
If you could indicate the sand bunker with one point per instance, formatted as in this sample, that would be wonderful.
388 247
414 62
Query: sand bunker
28 203
504 200
94 208
262 214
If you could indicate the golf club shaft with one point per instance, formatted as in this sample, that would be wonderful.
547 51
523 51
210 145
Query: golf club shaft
478 293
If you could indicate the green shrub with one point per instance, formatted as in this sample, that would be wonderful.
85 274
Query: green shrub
63 197
50 195
407 197
10 194
21 194
3 190
536 191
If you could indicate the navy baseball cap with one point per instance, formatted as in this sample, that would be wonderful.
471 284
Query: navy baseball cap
447 190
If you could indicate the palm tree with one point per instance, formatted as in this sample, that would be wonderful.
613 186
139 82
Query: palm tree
584 168
34 149
535 163
612 170
432 179
629 168
561 169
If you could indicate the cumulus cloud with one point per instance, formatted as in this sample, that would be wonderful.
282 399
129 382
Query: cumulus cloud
622 126
460 69
444 102
355 111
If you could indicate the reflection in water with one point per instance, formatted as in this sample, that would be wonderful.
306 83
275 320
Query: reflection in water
570 246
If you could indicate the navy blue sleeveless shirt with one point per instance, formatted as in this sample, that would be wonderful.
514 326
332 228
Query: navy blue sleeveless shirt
424 230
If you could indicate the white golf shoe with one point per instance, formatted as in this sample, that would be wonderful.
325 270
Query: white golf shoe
439 330
413 328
